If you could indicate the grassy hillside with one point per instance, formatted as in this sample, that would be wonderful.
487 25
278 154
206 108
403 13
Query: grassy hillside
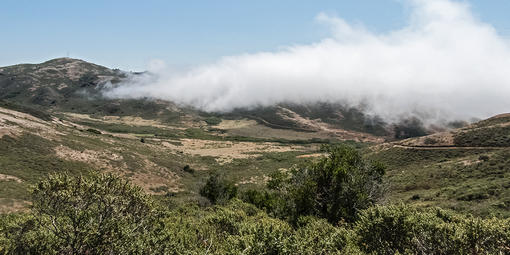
466 169
53 119
73 85
163 159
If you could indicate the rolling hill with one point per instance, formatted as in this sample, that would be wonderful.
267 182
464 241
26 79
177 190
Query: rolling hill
53 117
73 85
466 169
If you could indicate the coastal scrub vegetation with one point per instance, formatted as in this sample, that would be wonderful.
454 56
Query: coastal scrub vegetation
330 206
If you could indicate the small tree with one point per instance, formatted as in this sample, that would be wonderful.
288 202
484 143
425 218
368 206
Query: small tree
100 214
335 188
218 190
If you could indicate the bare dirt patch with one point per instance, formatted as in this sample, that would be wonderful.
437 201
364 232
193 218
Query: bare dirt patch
150 177
14 123
234 124
5 177
261 180
158 181
468 162
313 155
226 151
101 159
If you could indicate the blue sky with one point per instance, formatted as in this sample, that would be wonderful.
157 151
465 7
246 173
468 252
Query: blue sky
128 34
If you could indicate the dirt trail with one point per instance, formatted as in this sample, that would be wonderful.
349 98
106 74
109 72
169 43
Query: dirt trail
447 147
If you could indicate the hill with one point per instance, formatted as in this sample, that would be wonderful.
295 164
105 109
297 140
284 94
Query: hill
73 85
164 159
466 169
53 117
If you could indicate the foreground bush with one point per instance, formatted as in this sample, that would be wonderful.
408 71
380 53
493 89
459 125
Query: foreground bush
240 228
406 230
101 214
336 187
104 214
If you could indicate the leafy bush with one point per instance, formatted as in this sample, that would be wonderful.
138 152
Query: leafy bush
335 188
218 190
269 201
406 230
317 236
188 169
213 121
94 131
101 214
241 228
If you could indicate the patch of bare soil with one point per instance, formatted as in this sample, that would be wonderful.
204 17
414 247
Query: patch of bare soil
234 124
101 159
158 181
469 162
226 151
261 180
14 123
126 120
150 177
5 177
313 155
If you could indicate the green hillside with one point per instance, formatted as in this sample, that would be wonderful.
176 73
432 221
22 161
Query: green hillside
253 181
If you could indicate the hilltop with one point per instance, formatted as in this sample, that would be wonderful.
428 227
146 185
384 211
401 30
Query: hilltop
73 85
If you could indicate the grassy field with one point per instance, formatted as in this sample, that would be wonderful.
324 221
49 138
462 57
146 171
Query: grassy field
58 121
468 180
172 161
166 160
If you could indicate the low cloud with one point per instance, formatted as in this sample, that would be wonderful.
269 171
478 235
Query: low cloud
444 64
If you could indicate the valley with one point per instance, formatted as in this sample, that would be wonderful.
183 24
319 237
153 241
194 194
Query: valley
48 125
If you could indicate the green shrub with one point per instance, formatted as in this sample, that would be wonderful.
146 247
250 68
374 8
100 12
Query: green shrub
335 187
20 234
188 169
213 121
94 131
269 201
317 236
406 230
218 190
100 214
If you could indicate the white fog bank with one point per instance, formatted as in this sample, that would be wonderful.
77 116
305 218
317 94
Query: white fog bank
445 63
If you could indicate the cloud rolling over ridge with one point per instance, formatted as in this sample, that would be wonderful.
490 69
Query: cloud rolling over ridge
444 64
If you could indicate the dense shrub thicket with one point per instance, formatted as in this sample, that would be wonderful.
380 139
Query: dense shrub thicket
100 214
335 188
103 214
241 228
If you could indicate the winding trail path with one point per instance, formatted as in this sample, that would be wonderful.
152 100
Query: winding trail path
447 147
